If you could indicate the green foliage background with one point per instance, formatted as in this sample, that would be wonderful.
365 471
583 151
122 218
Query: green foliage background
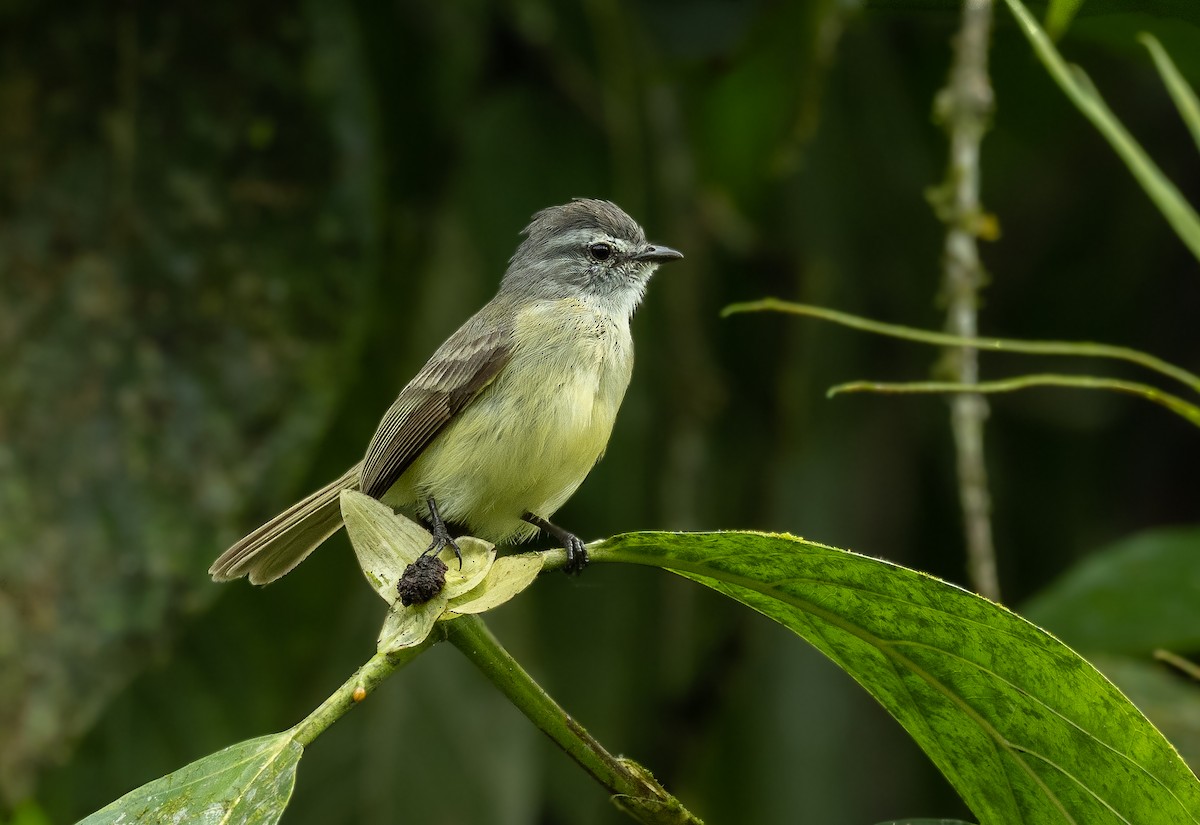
229 234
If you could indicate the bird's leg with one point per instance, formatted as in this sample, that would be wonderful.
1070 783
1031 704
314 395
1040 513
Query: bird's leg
577 557
441 535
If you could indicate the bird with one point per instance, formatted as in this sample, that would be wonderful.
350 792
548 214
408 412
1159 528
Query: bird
510 414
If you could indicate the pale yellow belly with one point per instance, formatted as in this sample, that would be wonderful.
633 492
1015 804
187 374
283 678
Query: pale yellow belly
530 438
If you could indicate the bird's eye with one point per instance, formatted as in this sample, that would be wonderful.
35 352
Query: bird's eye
601 251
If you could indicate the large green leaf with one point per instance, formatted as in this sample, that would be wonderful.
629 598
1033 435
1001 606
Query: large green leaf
1025 730
249 782
1122 603
1168 698
1134 596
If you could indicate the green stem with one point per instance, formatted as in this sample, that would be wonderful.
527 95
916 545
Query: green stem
1078 87
1182 93
1173 403
1181 664
942 339
634 790
378 667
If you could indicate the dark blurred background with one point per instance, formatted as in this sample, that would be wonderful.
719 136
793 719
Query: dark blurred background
230 232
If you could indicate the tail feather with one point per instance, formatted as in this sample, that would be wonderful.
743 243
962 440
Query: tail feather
286 540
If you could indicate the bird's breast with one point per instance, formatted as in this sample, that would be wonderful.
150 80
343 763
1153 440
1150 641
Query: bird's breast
530 438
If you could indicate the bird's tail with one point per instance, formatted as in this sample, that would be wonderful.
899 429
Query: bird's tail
286 540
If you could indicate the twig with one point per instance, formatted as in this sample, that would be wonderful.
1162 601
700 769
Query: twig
1176 661
1174 403
964 106
356 688
1073 349
1079 88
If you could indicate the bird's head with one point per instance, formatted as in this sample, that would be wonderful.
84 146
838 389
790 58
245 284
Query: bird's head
587 249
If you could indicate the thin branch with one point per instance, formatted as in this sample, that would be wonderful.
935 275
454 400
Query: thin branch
358 687
1173 403
965 107
1181 92
1184 666
1078 87
1075 349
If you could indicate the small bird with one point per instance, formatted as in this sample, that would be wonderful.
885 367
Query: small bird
507 418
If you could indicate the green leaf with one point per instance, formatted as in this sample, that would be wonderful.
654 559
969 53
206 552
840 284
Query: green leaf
1134 596
1023 728
1170 700
924 822
508 577
249 782
478 560
384 542
406 627
1059 15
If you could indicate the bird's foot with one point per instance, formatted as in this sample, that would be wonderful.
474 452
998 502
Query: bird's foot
441 535
577 555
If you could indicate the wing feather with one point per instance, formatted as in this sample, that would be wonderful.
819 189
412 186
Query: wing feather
460 369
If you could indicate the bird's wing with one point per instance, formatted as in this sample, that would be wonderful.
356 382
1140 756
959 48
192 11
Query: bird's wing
469 360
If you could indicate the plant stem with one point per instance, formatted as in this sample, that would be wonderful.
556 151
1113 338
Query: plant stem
634 790
965 106
1074 349
1078 87
1189 412
1181 92
1181 664
377 668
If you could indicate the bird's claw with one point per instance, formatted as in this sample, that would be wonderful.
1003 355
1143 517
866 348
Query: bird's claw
577 555
441 535
441 539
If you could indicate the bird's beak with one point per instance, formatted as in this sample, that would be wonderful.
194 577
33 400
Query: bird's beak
658 254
